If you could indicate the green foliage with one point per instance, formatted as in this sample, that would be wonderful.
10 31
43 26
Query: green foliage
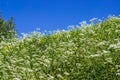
7 29
83 53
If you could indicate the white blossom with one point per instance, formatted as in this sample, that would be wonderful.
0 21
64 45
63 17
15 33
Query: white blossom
66 73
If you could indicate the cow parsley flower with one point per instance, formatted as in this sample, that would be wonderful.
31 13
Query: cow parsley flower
95 55
60 76
66 73
83 24
16 79
115 46
50 77
118 74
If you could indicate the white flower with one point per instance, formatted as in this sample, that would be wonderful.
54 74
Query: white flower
91 31
104 52
83 24
66 73
118 74
101 43
117 66
47 61
69 52
117 31
50 77
115 46
59 75
41 77
16 79
118 70
93 19
95 55
109 60
2 37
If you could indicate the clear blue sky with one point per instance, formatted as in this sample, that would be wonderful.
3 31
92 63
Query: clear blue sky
55 14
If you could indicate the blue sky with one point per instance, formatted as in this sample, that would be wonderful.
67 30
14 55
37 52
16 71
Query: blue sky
55 14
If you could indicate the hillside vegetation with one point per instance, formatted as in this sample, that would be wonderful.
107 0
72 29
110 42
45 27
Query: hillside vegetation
90 52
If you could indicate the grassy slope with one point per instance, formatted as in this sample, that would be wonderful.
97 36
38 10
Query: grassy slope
87 53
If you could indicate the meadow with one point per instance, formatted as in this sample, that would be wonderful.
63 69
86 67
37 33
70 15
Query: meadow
88 52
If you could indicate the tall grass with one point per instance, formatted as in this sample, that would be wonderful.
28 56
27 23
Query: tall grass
90 52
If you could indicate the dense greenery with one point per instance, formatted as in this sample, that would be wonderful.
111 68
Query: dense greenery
90 52
7 29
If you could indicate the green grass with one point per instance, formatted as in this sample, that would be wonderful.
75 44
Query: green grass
90 52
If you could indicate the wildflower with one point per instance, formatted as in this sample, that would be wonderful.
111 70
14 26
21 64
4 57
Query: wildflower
93 19
117 31
69 52
95 55
66 73
41 77
16 79
46 61
109 60
104 52
118 70
114 46
59 75
118 74
50 77
91 31
101 43
78 64
83 24
117 66
59 69
2 37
